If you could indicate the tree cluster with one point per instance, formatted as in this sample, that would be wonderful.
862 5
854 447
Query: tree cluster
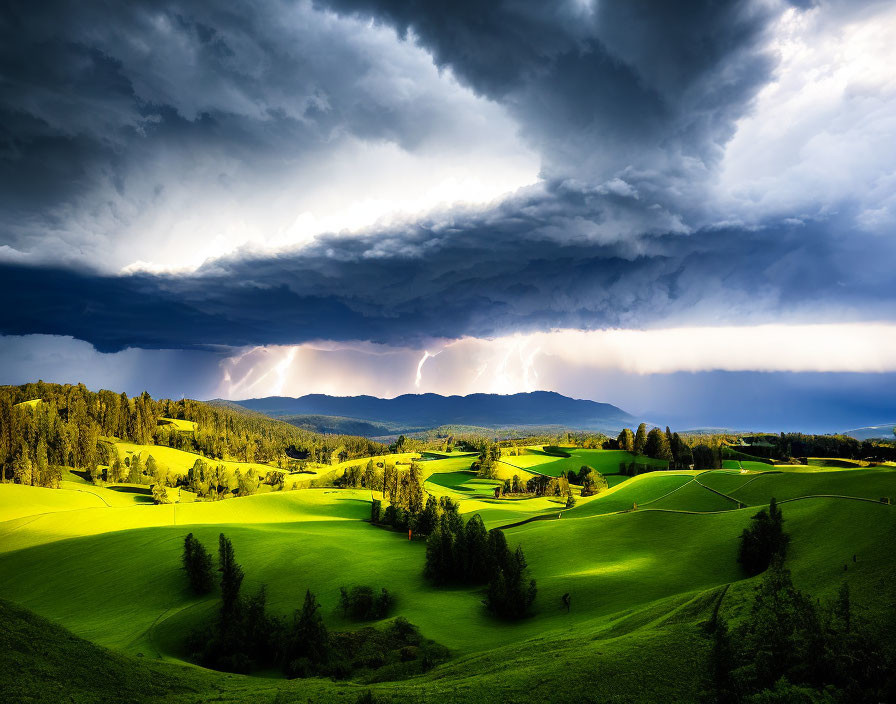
763 541
458 553
244 637
403 489
539 485
363 603
791 648
220 481
370 477
797 445
591 481
656 444
197 562
47 426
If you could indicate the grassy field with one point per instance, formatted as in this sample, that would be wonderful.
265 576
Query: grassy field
32 403
186 426
180 461
864 483
536 461
640 581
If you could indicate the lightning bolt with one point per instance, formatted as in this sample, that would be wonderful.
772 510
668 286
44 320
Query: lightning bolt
426 355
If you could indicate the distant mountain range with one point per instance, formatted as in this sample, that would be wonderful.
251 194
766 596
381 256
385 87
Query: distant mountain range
872 432
372 415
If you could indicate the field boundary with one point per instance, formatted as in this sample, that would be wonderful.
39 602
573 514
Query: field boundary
716 491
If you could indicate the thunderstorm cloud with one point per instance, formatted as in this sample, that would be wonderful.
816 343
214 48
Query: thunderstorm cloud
211 180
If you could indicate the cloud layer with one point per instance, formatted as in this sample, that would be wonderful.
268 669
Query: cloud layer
192 176
481 276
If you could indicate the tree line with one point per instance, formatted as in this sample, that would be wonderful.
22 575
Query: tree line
792 648
459 553
786 446
44 427
465 553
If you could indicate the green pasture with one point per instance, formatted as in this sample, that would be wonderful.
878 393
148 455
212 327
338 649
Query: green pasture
32 403
872 483
726 481
536 461
186 426
640 581
639 490
179 461
749 465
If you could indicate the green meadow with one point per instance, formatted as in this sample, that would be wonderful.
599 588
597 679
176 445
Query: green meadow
538 460
644 562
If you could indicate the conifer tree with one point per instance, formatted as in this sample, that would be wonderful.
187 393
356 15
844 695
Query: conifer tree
135 471
626 440
231 578
640 439
198 565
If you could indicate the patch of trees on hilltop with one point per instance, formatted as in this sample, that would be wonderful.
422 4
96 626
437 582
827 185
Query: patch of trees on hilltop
788 445
47 426
660 445
683 451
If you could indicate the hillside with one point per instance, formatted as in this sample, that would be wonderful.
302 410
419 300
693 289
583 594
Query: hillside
630 574
417 411
641 592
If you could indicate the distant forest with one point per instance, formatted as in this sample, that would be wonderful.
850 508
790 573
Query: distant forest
44 427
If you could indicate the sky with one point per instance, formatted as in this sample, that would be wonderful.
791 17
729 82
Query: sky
686 209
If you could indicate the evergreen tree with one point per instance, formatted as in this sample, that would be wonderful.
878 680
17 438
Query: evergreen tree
197 563
511 590
476 550
308 640
657 445
152 469
429 517
116 469
626 440
135 471
640 440
764 541
41 474
22 469
231 578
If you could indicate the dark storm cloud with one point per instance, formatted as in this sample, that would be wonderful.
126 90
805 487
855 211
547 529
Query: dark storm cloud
477 276
601 86
104 106
629 104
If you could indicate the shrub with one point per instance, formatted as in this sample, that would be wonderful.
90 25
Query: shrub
362 603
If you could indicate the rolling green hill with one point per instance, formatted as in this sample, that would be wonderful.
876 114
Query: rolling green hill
645 564
537 461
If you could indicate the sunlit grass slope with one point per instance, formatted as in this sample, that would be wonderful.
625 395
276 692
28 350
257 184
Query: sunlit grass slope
640 581
639 490
187 426
322 544
872 483
180 461
538 461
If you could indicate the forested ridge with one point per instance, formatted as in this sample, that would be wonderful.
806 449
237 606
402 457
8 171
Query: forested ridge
44 427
